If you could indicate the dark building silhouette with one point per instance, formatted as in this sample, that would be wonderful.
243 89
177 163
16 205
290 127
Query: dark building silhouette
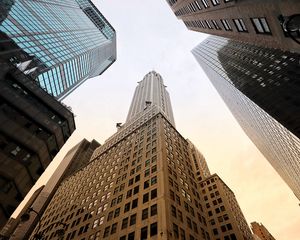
33 127
75 159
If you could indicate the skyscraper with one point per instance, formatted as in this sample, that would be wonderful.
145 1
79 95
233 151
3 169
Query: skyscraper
33 128
265 23
59 43
151 90
261 232
75 159
224 214
261 88
142 183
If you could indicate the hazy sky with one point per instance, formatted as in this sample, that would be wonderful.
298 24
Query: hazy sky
149 37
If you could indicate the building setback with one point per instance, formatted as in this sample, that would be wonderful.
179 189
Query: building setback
260 87
33 127
142 183
266 23
59 43
260 231
224 214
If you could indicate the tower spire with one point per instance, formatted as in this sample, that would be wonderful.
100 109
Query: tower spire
151 91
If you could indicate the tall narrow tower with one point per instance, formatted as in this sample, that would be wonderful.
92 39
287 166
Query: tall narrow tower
144 182
151 91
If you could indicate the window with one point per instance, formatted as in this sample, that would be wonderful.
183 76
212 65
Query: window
114 228
130 182
129 193
106 232
182 234
134 203
229 226
110 216
153 193
233 237
120 198
195 227
144 233
178 200
216 24
175 230
113 202
154 180
173 211
205 3
208 24
180 215
189 222
147 163
136 190
153 229
261 25
215 2
146 184
137 178
124 223
126 207
145 197
154 210
131 236
147 172
132 219
117 212
95 224
240 25
145 213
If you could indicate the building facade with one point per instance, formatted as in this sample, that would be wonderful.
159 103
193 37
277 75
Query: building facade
140 184
59 43
260 87
75 159
225 216
260 231
151 90
33 128
274 24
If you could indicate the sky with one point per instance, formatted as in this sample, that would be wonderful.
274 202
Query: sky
150 37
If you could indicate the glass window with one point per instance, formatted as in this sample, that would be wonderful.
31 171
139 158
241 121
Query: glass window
132 219
153 193
114 228
153 229
261 25
215 2
145 213
154 210
240 25
144 233
205 3
124 223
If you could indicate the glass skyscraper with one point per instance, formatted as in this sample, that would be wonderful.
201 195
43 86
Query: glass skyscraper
60 43
261 88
